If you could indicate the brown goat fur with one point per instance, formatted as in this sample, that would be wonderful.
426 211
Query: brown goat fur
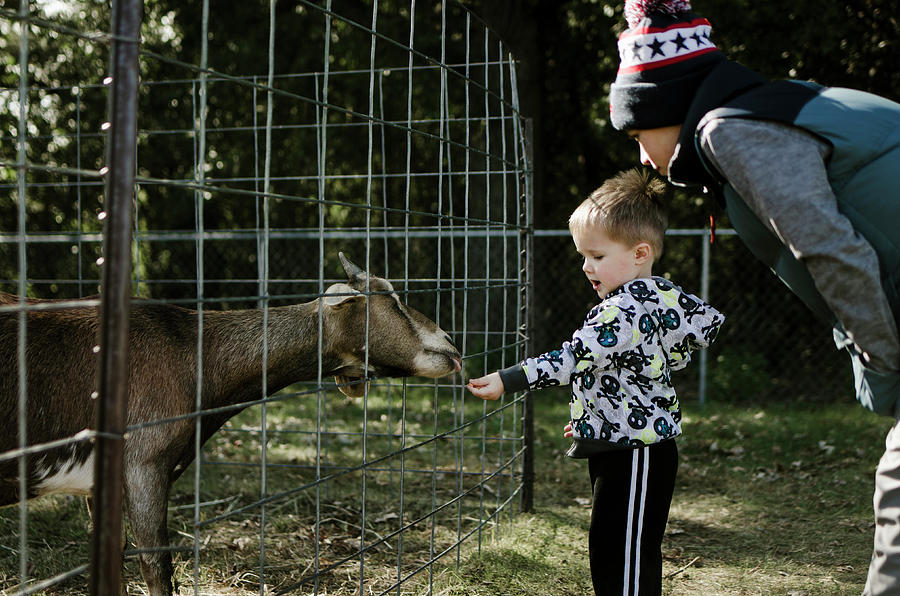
62 372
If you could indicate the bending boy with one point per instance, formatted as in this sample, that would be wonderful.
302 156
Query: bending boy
807 175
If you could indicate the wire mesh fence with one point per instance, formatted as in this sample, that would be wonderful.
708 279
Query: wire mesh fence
269 140
387 131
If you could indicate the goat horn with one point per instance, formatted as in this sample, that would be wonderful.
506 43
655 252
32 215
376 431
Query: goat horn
354 273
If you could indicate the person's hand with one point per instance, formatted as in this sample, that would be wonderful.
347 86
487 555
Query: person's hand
567 431
486 387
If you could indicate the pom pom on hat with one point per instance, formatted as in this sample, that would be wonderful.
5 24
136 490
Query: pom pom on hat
664 56
636 10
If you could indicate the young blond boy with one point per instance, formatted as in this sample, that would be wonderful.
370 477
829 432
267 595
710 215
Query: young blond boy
624 411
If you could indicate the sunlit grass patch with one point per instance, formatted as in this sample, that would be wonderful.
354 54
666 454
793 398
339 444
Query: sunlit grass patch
770 499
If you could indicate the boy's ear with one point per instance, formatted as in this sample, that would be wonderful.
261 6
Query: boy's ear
643 252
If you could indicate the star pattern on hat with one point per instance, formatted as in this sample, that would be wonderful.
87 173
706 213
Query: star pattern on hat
656 46
679 40
636 50
644 48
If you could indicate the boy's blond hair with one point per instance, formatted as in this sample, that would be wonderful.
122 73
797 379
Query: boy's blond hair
628 208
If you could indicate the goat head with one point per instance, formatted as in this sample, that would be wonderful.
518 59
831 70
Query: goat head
401 341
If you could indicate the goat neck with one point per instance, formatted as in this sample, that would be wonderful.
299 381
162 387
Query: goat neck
235 354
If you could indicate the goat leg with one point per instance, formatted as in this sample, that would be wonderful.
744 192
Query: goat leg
146 497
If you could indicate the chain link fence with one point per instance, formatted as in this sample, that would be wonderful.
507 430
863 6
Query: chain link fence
770 348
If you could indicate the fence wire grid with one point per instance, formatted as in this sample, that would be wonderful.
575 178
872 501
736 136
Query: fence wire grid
389 131
268 140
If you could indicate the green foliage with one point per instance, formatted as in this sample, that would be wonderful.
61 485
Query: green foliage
64 83
363 136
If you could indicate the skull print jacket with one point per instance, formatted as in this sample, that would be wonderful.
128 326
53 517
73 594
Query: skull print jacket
619 365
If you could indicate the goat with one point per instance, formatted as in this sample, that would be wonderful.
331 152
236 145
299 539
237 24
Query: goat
162 358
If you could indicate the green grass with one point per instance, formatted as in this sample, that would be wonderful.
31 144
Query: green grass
772 499
395 492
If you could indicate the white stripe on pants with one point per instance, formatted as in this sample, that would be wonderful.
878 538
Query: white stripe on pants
640 465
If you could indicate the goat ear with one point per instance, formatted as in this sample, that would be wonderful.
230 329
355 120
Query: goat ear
339 294
354 273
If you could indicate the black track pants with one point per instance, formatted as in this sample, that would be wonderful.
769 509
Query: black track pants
632 491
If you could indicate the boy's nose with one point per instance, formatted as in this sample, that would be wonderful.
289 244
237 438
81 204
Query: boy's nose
585 266
645 157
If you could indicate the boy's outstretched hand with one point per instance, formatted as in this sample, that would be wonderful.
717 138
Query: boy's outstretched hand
487 387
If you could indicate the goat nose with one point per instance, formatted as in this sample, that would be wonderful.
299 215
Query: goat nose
451 342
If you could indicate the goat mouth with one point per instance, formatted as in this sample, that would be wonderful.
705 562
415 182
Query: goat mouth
353 382
455 359
349 378
351 386
442 363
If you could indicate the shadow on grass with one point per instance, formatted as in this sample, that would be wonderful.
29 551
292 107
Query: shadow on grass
57 529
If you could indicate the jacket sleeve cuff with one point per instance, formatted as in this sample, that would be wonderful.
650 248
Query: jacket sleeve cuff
514 378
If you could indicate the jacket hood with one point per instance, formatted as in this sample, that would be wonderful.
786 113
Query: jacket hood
725 82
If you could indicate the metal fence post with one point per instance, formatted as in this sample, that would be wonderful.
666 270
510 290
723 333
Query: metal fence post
704 293
106 548
528 287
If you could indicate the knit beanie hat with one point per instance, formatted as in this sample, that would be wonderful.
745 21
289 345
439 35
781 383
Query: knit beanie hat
664 55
